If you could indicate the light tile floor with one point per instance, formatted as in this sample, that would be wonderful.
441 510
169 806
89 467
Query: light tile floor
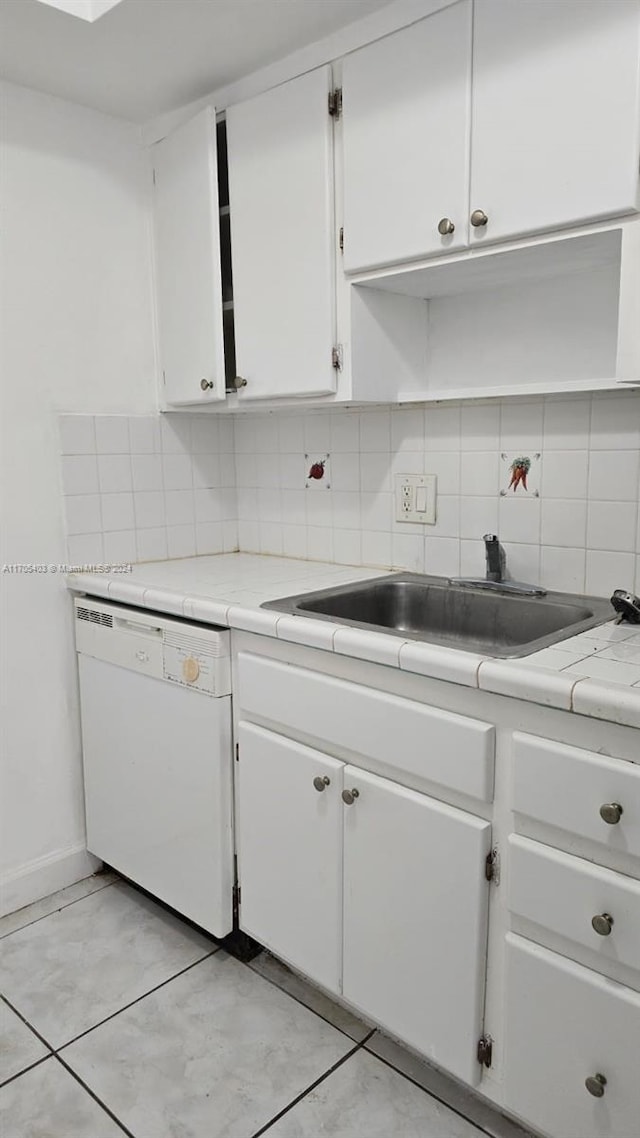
119 1018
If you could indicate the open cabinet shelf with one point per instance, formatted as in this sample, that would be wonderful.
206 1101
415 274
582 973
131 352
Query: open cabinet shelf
559 315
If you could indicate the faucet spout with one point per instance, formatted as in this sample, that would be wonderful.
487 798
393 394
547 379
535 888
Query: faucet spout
495 557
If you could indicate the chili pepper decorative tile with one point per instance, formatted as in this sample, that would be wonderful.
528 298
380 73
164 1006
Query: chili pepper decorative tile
318 471
520 474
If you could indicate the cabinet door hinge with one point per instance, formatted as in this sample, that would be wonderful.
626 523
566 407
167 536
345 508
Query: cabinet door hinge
485 1050
336 357
236 892
492 866
335 103
341 239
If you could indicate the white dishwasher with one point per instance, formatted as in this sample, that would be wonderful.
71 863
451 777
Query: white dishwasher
155 702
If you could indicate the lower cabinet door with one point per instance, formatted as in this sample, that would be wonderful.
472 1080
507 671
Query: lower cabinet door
415 918
569 1033
289 837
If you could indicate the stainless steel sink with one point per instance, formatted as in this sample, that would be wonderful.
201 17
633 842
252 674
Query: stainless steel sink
433 609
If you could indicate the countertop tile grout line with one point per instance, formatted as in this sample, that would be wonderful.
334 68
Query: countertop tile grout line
294 1102
94 1096
29 1067
56 1050
456 1110
107 885
297 999
26 1022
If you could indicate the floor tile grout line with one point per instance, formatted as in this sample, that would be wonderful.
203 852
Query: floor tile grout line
53 912
298 1000
311 1087
455 1110
29 1067
26 1022
132 1003
94 1096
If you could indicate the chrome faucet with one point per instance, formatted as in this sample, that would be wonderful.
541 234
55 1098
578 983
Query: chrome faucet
495 574
494 554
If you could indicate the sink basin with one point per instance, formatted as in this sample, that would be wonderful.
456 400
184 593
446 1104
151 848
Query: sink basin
433 609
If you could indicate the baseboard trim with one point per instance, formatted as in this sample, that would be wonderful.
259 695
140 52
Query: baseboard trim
45 875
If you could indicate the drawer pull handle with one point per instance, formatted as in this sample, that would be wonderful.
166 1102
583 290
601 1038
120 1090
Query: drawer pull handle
611 813
321 783
595 1085
349 796
602 924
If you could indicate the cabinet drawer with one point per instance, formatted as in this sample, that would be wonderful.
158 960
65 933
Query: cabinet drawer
564 894
567 787
565 1024
448 749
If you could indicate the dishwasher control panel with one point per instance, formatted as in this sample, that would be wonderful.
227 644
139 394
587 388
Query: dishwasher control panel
200 662
155 645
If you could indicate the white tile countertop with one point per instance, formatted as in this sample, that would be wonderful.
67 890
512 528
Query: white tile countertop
596 673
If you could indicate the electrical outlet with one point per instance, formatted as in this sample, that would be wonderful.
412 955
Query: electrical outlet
416 498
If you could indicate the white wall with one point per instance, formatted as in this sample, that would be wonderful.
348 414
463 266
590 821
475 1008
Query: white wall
76 335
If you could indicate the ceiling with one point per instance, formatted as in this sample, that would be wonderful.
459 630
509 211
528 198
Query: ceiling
145 57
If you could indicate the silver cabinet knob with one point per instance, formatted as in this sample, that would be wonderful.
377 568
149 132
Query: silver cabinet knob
611 813
321 783
239 381
602 924
206 384
595 1085
445 226
349 796
478 218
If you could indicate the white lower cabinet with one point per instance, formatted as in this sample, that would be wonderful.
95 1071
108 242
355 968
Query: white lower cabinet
374 891
415 918
289 837
572 1046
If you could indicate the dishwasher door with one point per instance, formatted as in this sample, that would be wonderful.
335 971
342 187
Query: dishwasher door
158 788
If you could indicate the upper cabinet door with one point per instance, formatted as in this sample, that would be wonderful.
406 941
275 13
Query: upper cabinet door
556 113
187 256
280 147
406 107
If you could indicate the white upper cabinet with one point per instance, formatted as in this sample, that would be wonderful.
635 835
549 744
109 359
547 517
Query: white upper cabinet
187 262
556 113
280 147
406 142
490 120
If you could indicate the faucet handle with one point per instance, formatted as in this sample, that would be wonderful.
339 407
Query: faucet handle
627 606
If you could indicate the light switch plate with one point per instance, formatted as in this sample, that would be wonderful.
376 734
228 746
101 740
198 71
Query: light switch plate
415 496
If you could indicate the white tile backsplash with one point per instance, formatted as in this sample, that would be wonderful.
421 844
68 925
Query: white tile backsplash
112 434
193 475
79 474
114 473
545 536
613 475
77 434
167 488
117 512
